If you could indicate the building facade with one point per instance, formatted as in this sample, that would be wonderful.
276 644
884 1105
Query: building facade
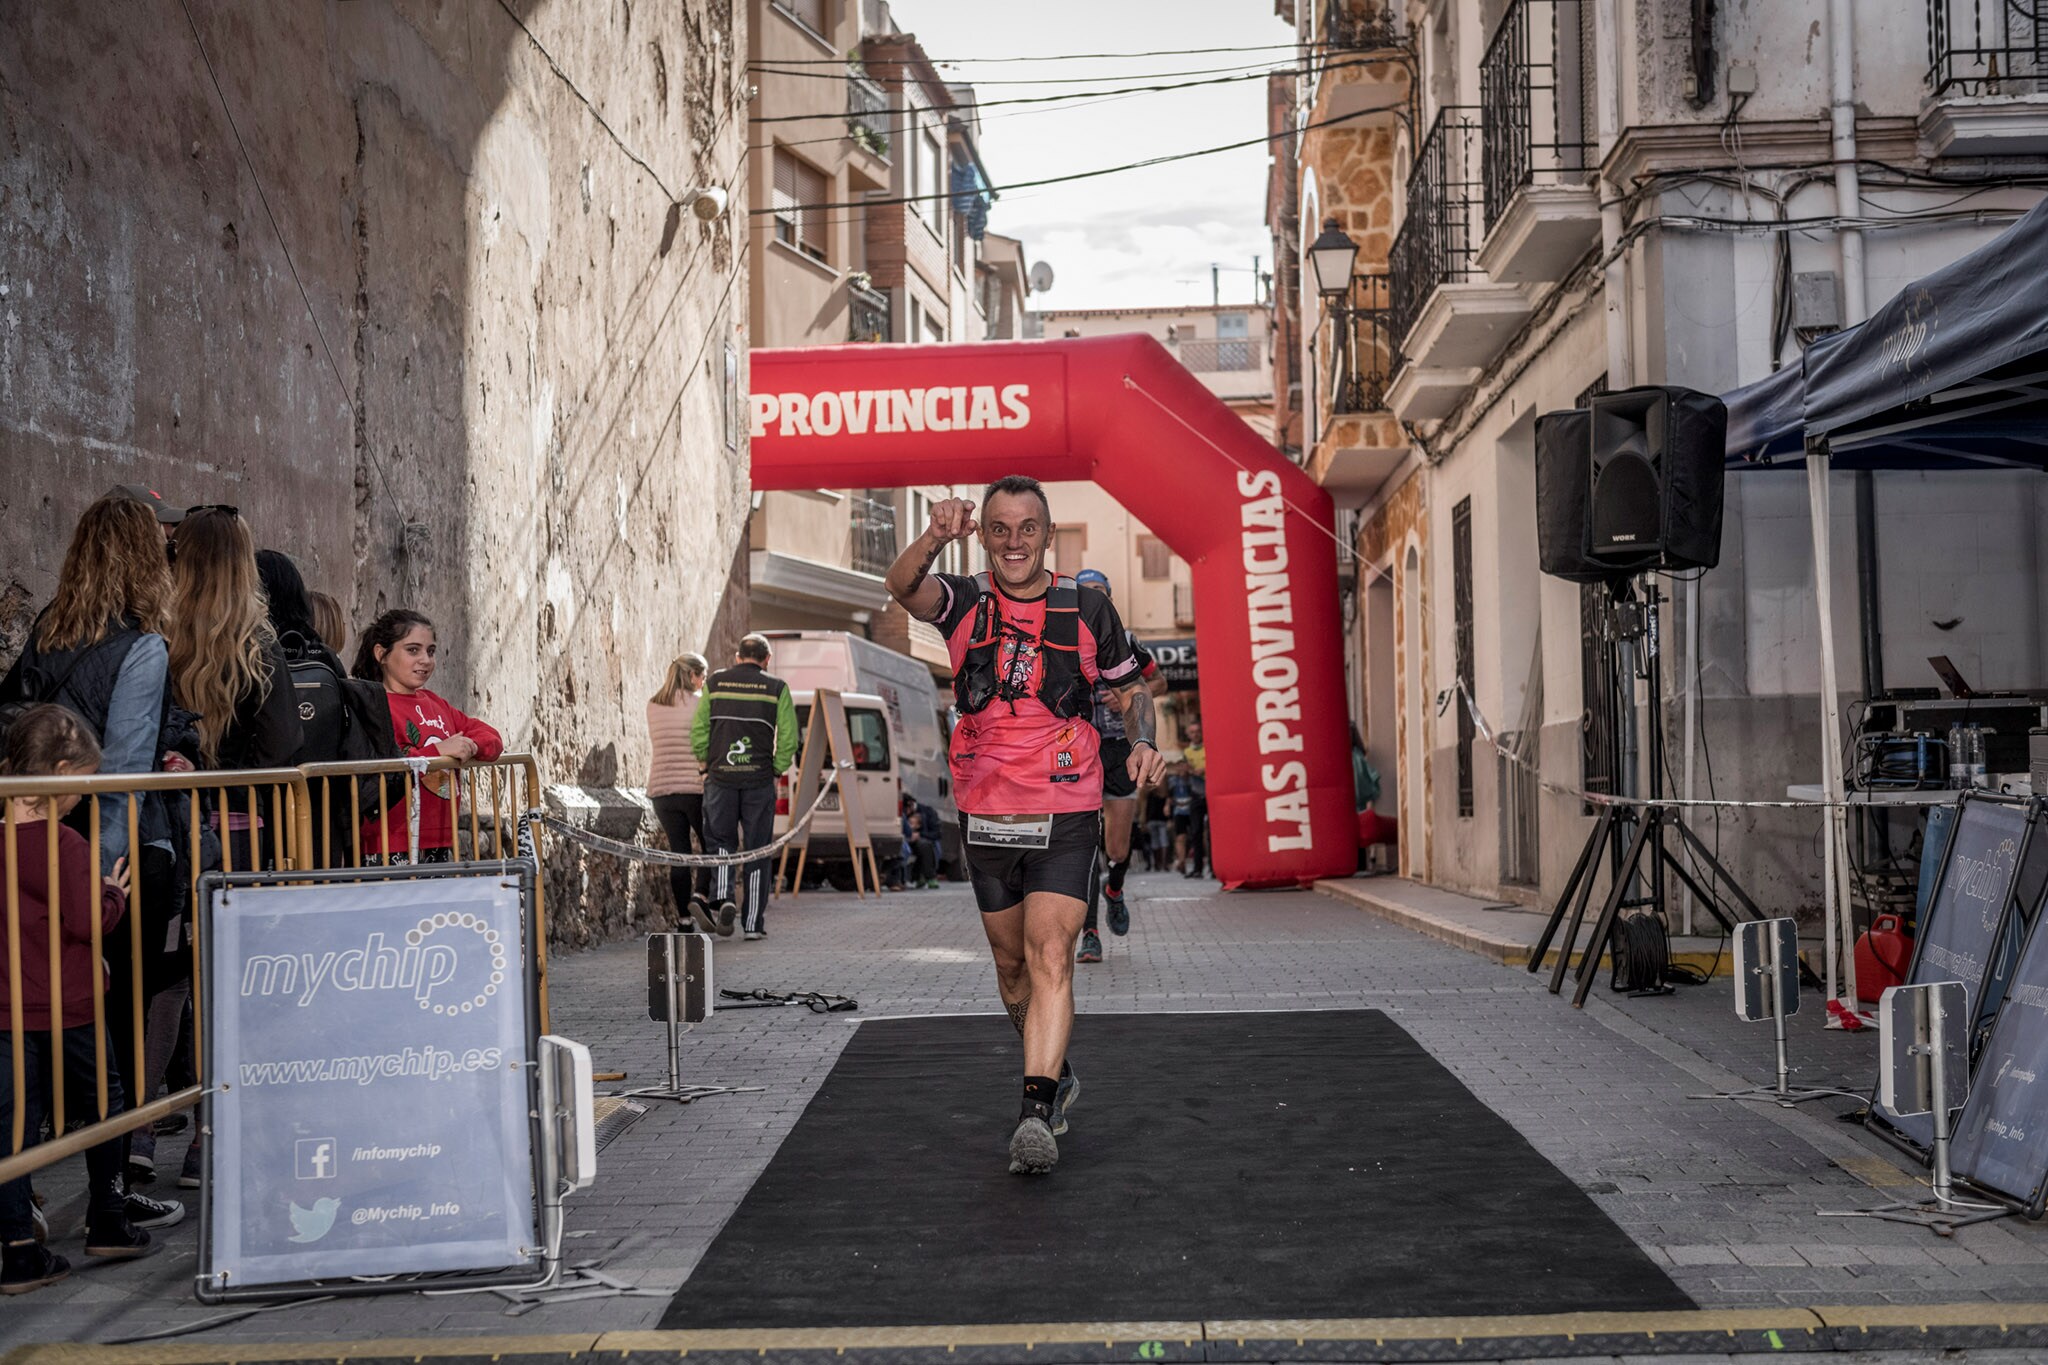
849 110
1572 196
384 289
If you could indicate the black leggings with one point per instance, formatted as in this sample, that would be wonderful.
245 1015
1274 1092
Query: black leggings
682 815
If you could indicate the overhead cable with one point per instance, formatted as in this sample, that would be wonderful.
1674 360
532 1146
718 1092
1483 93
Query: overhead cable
1089 94
997 190
979 81
1060 56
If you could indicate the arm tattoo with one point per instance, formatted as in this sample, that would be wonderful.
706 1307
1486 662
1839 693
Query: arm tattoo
1139 721
931 557
1018 1009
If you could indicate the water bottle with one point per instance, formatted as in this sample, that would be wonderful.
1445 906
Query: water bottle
1978 777
1958 761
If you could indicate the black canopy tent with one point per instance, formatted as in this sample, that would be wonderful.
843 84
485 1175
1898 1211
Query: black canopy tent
1951 373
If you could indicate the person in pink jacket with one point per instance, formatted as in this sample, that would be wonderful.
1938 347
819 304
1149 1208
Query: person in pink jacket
675 783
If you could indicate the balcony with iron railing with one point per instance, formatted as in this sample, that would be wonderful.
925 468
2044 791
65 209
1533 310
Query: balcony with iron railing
1358 443
874 530
867 115
867 314
1358 26
1448 319
1987 77
1542 212
1221 355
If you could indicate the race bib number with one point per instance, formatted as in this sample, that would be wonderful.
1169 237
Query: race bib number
1009 831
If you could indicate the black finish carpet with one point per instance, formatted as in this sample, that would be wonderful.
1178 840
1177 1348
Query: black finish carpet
1308 1164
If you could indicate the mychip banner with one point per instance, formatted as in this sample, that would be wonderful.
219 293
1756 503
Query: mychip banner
369 1049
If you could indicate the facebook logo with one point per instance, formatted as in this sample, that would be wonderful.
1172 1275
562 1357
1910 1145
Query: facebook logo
316 1158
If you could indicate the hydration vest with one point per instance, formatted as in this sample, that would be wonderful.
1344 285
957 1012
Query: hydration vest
1062 686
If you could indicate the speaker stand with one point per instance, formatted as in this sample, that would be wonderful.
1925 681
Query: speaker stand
1630 836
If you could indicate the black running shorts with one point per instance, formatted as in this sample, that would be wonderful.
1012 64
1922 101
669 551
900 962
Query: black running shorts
1002 877
1116 771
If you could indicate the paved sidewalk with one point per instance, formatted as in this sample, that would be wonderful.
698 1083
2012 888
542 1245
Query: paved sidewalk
1721 1193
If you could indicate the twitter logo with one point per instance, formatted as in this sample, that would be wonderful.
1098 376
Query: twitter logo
310 1225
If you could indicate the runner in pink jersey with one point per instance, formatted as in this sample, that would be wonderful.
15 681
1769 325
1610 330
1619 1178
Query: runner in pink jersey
1028 650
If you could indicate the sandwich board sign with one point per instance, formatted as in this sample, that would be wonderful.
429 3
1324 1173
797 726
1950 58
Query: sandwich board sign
369 1052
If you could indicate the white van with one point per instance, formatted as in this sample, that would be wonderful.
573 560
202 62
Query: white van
916 703
877 786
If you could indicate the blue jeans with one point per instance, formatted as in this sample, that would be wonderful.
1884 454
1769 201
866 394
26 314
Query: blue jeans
106 1192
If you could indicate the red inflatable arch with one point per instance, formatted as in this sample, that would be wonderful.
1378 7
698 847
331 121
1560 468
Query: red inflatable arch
1123 412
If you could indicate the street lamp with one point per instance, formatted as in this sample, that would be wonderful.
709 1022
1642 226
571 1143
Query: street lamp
1333 256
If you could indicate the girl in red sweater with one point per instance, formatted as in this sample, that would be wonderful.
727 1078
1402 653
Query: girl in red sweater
50 740
398 651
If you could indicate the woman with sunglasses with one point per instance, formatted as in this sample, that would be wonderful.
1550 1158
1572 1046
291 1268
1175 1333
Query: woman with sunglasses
99 650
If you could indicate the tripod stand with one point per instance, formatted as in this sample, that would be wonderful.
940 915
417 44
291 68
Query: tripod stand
1628 835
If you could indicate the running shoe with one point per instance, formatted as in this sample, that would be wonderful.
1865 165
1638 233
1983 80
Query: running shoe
728 915
700 915
1069 1091
144 1212
1091 947
30 1267
1032 1148
753 934
1119 912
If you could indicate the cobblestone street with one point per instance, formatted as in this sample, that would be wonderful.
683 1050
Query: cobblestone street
1724 1195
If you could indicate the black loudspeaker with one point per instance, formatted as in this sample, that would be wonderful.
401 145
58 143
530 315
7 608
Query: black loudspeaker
1657 462
1631 484
1563 483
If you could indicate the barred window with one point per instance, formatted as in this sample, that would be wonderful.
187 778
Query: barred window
1155 560
810 13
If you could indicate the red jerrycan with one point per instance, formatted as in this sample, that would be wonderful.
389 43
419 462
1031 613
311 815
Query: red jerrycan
1883 952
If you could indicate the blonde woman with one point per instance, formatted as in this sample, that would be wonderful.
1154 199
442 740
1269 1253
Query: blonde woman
226 667
675 781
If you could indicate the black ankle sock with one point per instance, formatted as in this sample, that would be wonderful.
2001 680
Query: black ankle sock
1065 1070
1116 875
1041 1089
1089 924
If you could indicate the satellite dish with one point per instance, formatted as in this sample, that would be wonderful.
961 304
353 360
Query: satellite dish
1041 278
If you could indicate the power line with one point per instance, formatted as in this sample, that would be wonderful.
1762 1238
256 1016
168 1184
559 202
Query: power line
1060 57
369 447
978 81
905 119
1092 94
997 190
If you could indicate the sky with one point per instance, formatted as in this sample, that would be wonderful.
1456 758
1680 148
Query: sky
1142 237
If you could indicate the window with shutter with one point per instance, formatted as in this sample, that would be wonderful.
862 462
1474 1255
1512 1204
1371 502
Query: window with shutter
1070 549
798 185
1156 561
810 13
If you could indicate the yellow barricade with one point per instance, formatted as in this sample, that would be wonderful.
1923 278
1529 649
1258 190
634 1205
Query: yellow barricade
489 799
259 821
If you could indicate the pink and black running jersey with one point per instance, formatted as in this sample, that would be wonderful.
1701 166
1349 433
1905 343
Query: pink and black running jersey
1017 757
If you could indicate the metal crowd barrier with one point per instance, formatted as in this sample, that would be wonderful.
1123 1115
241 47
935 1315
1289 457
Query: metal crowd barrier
271 808
281 820
514 788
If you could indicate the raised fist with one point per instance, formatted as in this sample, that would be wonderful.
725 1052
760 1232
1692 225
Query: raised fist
953 519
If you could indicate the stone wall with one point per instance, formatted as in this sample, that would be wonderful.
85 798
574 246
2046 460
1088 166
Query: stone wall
410 287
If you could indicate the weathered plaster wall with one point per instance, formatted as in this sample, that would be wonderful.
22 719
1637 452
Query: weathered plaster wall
477 366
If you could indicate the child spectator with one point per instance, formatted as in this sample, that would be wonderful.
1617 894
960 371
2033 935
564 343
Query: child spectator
48 740
398 650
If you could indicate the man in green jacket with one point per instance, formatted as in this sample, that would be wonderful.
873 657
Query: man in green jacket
744 734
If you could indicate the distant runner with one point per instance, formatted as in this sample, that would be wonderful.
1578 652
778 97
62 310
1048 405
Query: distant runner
1119 794
1028 650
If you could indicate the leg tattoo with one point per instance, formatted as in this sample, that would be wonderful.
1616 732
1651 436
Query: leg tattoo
1018 1009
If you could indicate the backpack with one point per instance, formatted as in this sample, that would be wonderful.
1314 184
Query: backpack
322 703
29 693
